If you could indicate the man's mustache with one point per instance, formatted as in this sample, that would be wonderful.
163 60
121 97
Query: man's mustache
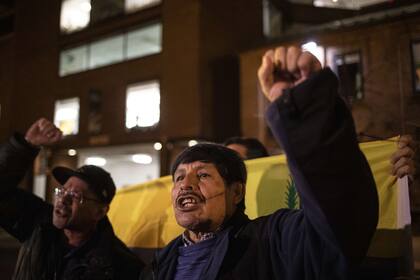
183 193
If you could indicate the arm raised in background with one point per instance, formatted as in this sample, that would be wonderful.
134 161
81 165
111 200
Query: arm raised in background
43 133
18 208
17 155
315 128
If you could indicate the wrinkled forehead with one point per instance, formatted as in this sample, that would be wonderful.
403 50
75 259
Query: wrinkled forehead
77 184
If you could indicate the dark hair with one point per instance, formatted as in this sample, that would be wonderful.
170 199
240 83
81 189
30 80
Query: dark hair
227 162
255 149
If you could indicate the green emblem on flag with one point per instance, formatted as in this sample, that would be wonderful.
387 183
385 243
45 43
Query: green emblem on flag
292 200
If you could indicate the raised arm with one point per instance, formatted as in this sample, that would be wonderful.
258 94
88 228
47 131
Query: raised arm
18 209
17 155
316 130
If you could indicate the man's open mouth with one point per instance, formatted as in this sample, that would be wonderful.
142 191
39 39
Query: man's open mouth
188 202
61 212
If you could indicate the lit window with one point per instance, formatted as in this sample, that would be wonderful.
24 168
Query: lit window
106 51
75 15
66 115
345 4
142 105
73 60
135 5
144 41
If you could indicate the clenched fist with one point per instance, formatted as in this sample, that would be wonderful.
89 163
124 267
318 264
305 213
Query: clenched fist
284 68
43 132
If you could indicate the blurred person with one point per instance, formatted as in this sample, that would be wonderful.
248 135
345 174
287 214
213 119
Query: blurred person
72 239
247 147
326 239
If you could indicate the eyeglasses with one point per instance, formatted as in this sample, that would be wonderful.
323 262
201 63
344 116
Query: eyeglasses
61 192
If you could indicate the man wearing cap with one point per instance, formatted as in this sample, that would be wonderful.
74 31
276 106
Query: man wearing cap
72 239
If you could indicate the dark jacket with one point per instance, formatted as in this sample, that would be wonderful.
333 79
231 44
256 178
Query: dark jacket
44 253
331 234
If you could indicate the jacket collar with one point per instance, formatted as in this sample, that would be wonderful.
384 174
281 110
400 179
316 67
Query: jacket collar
99 241
164 264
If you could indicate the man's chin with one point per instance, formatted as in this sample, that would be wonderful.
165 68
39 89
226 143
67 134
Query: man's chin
193 223
186 221
59 222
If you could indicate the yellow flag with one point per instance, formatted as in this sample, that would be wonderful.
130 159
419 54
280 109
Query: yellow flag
142 215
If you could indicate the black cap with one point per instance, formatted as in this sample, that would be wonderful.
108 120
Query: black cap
99 181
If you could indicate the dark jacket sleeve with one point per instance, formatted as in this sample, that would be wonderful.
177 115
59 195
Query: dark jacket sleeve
19 210
334 181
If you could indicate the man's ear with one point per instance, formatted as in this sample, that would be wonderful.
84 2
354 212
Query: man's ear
238 191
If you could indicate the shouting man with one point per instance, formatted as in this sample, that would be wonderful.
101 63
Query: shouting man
326 239
72 239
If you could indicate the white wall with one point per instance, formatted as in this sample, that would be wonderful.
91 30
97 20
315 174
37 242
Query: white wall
123 170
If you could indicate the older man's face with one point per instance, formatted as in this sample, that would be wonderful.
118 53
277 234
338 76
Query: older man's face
200 197
70 212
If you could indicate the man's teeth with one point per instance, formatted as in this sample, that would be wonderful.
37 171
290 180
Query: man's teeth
189 202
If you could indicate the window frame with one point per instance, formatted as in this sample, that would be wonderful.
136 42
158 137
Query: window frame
124 34
77 123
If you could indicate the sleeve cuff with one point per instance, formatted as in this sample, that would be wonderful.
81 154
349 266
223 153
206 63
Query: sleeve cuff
298 99
18 141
